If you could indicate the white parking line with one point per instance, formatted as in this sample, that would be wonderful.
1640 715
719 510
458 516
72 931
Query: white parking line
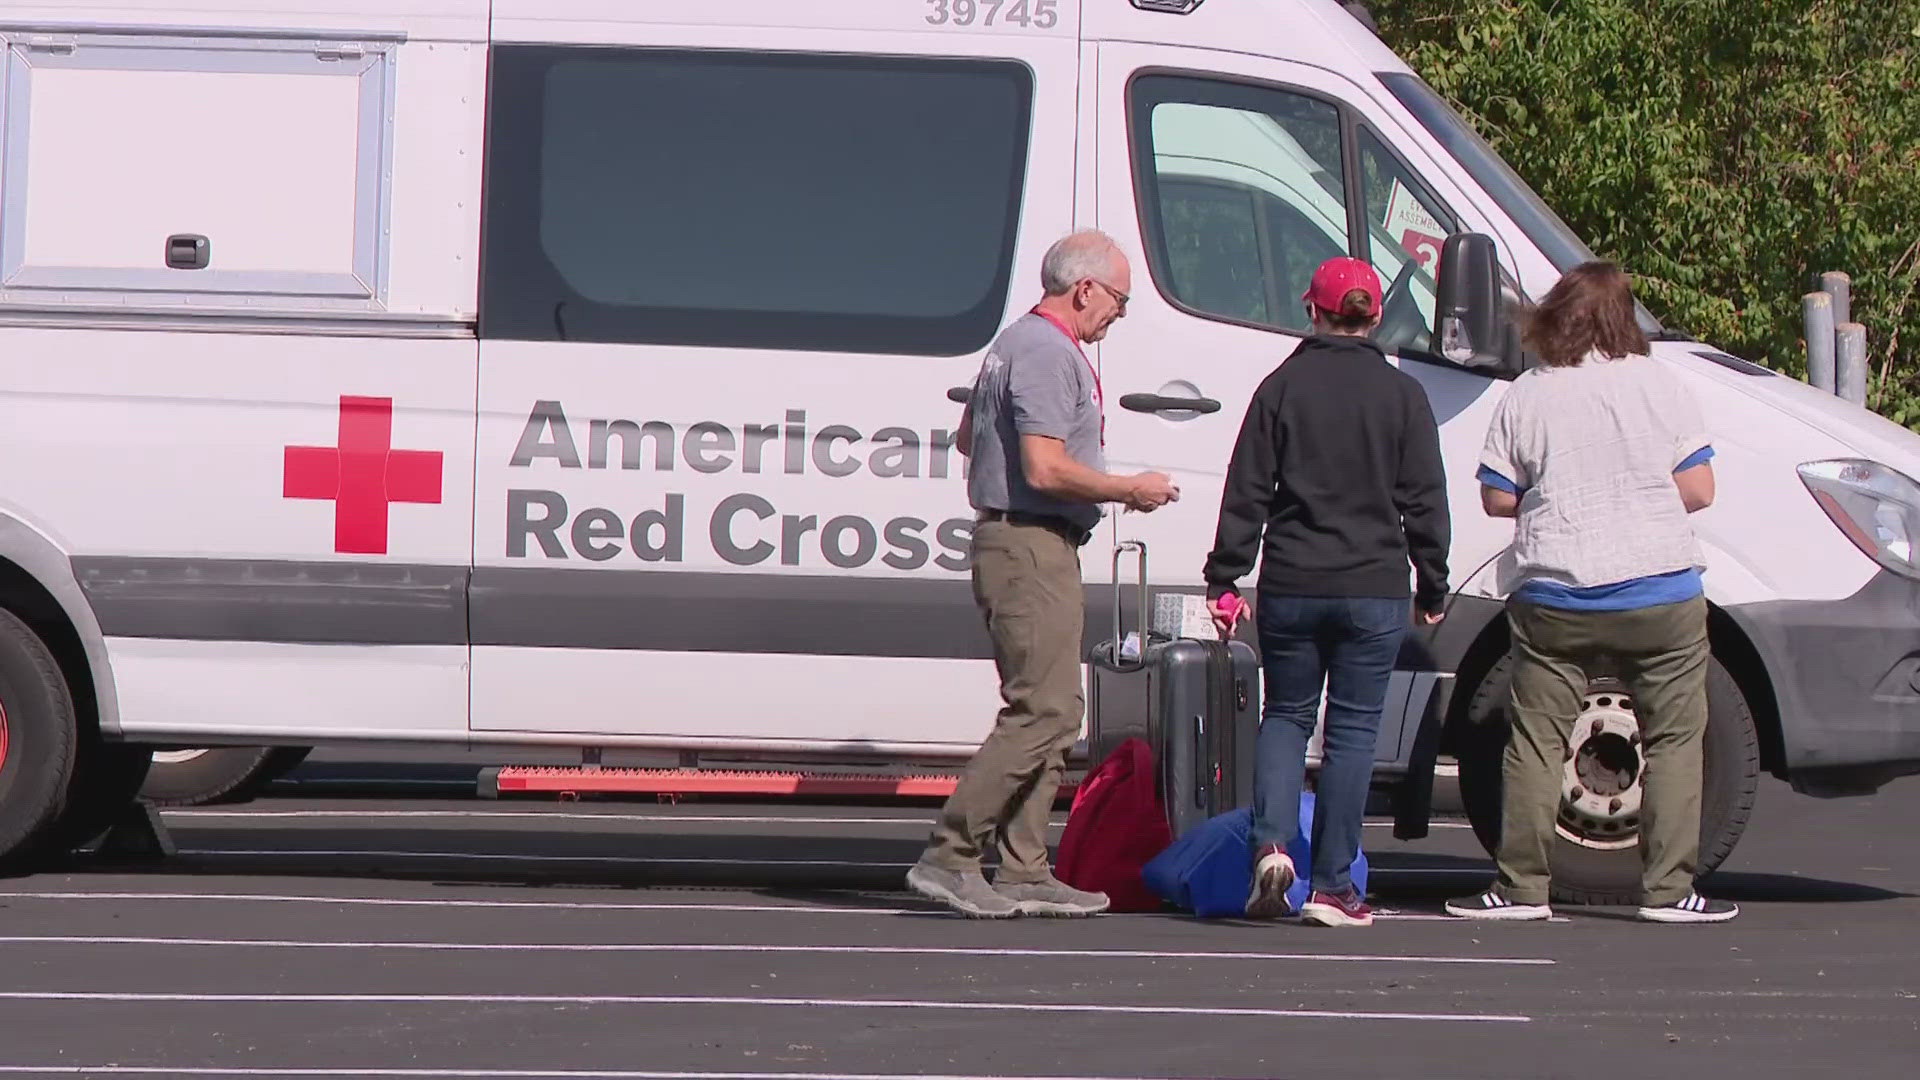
736 1002
500 1073
575 905
872 950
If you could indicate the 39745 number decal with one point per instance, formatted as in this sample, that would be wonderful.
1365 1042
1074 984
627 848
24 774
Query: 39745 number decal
1038 14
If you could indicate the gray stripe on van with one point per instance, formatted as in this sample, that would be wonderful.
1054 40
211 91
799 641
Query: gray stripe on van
691 611
363 603
370 603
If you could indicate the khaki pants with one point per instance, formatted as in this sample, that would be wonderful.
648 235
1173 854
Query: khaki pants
1026 580
1661 655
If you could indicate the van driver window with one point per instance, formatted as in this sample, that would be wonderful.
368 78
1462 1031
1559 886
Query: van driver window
1244 195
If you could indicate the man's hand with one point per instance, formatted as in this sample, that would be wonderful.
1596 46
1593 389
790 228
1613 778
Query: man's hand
1149 491
1431 618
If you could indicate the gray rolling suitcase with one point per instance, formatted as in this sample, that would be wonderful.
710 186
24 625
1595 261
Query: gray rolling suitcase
1194 702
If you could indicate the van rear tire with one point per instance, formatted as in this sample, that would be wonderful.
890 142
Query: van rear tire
1588 871
38 742
217 774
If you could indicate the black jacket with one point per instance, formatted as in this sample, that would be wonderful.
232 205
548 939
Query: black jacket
1338 463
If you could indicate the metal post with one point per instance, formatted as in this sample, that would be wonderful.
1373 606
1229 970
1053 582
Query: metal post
1850 368
1839 286
1816 311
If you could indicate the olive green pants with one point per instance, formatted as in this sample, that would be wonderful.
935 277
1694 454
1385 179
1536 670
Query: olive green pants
1661 654
1026 579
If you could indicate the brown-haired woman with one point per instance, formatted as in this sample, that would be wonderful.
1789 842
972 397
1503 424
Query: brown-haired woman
1600 454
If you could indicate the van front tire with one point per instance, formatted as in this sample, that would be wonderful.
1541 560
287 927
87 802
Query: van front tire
1592 865
38 742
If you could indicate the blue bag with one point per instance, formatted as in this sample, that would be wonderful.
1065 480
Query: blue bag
1209 871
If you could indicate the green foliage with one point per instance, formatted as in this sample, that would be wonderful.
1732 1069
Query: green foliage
1725 151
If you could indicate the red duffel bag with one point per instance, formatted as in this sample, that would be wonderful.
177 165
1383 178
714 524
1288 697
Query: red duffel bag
1117 825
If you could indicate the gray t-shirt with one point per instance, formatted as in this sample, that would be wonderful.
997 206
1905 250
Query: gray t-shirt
1034 381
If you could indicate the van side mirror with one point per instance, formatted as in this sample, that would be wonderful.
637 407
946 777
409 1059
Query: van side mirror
1469 325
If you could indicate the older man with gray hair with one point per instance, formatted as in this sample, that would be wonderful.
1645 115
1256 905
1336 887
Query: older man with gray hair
1034 431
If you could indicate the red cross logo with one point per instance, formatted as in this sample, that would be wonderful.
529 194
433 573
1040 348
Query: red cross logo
363 475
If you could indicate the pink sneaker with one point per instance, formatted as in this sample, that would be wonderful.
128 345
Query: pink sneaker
1326 909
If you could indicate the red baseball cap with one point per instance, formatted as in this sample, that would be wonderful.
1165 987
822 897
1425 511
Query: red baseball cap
1339 276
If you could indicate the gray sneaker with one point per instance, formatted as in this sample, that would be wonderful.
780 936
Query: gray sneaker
968 893
1053 897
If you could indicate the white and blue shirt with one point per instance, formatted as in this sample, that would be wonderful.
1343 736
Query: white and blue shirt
1591 451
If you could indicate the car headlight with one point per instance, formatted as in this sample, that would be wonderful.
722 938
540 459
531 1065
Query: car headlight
1877 507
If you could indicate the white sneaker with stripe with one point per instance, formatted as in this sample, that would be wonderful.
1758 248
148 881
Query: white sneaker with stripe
1691 908
1273 875
1493 907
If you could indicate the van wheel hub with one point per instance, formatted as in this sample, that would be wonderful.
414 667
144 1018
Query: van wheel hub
1600 785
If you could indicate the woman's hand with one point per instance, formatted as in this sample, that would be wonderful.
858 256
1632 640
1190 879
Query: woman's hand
1227 609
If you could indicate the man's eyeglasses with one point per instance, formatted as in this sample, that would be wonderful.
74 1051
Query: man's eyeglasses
1118 296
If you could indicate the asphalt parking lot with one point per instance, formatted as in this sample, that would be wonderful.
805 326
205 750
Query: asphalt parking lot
306 936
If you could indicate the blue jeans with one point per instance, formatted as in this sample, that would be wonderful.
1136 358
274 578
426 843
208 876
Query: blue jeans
1348 644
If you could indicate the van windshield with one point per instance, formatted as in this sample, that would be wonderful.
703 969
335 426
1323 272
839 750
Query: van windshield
1562 247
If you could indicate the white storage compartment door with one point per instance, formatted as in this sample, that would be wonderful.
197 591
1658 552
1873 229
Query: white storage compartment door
157 167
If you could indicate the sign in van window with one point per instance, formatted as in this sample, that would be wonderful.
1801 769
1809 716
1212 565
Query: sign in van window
1407 231
848 204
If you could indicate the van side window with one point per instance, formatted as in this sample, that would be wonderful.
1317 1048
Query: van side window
245 171
841 203
1405 230
1242 192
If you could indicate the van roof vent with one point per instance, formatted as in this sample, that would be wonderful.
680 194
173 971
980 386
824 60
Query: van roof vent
1170 7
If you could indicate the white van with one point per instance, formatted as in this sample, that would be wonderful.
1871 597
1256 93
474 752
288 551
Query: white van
582 372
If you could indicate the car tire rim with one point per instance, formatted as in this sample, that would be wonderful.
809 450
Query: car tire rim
176 757
1600 784
3 735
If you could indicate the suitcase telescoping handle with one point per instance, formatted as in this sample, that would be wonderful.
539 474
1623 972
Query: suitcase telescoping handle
1119 551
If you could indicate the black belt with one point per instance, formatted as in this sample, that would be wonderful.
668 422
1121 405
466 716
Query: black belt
1073 533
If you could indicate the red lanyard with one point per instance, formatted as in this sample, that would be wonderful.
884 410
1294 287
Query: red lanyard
1099 395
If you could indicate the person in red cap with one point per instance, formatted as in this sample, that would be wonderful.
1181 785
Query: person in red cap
1337 469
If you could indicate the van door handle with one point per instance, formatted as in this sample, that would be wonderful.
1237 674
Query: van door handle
1155 403
959 394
